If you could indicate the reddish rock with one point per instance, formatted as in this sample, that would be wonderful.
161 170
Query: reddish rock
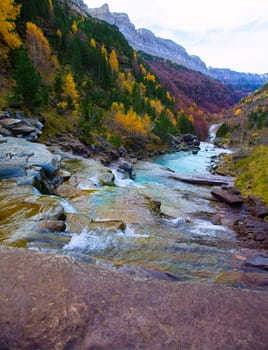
228 196
51 226
258 207
55 302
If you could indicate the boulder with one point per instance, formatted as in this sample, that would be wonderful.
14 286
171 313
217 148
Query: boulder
258 207
227 195
56 302
259 262
17 124
51 226
28 163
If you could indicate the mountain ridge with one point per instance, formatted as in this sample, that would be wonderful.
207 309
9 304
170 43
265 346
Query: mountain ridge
146 41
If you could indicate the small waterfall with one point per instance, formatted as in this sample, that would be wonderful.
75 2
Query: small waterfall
213 131
120 180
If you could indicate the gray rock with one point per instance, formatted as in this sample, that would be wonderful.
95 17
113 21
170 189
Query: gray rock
28 163
23 129
10 123
259 261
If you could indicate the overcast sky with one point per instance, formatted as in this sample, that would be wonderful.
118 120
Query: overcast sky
223 33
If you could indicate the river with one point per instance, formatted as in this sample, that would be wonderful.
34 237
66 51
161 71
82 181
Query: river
155 223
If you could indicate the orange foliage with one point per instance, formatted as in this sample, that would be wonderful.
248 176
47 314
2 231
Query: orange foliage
131 124
114 61
150 77
40 51
51 5
104 51
121 78
171 117
238 111
117 107
8 37
142 88
143 70
69 93
59 33
74 27
92 43
126 82
157 105
169 97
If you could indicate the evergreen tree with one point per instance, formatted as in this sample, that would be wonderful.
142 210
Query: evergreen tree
28 80
185 125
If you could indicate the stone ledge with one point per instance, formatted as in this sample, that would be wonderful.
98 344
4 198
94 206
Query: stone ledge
56 302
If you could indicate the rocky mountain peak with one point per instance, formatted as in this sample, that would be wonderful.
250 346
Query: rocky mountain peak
146 41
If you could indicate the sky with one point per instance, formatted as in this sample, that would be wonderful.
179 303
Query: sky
223 33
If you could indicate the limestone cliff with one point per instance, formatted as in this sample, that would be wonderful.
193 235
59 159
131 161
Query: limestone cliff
146 41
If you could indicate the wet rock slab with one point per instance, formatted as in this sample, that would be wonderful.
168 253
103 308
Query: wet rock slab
228 194
55 302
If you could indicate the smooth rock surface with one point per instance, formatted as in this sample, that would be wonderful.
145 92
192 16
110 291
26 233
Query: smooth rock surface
19 152
55 302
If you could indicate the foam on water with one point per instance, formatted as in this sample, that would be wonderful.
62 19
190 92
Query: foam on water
120 181
177 221
87 241
206 228
68 207
90 183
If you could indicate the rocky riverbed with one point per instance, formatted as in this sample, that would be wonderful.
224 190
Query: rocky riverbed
142 232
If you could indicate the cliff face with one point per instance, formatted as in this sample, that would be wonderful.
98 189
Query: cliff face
146 41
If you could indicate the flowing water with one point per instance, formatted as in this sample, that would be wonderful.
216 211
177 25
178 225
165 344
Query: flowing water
125 225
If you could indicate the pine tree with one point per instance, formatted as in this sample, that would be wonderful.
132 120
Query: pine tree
28 80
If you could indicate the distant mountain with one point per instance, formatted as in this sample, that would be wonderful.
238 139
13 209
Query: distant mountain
144 40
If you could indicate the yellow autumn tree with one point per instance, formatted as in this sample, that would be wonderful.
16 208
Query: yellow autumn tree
114 61
128 83
150 77
40 52
157 105
70 92
143 70
104 51
92 43
238 111
51 7
121 78
171 117
74 27
59 33
117 107
132 124
9 39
